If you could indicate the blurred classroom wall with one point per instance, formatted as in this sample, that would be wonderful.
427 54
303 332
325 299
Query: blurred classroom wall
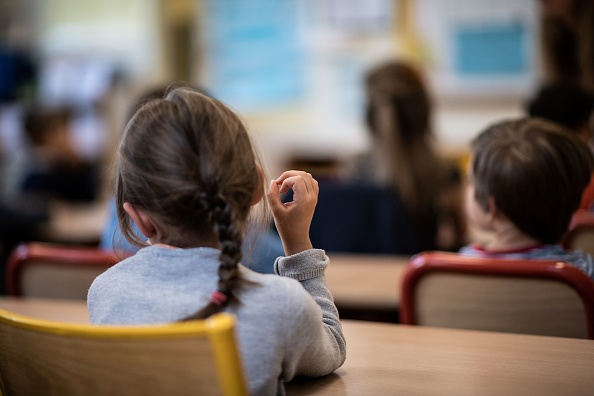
481 60
292 68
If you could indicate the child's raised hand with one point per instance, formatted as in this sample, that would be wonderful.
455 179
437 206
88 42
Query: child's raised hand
293 218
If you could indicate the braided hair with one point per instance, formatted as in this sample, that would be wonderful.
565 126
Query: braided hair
187 160
231 239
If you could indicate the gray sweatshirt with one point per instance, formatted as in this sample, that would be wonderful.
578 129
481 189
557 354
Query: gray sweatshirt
287 325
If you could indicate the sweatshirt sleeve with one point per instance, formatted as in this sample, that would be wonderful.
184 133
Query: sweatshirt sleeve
315 344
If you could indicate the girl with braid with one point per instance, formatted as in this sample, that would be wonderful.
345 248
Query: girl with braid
188 176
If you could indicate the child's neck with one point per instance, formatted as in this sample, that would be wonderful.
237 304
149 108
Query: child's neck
183 244
508 237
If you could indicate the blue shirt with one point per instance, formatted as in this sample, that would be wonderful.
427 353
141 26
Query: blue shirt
541 252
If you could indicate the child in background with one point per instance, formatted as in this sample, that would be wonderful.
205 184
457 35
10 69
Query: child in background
187 176
399 113
56 169
525 182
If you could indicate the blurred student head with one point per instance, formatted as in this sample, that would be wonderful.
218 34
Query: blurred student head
567 34
569 105
43 125
398 88
530 171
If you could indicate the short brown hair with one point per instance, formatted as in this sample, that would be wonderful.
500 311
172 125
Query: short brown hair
187 160
536 173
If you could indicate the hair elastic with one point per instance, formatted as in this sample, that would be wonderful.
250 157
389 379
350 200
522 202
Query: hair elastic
218 298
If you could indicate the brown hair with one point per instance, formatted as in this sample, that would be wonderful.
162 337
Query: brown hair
399 117
567 40
535 171
40 122
188 161
569 105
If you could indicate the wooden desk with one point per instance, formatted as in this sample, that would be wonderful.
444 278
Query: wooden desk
396 359
389 359
366 286
76 223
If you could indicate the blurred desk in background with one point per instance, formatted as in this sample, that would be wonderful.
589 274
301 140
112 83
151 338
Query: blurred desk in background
76 223
366 287
363 286
69 311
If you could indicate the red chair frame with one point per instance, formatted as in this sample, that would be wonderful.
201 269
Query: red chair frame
580 221
64 255
428 262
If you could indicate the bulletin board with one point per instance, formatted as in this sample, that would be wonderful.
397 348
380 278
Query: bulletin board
259 54
480 48
252 57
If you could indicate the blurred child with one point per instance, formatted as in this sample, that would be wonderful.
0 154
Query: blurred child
399 115
525 182
56 169
187 176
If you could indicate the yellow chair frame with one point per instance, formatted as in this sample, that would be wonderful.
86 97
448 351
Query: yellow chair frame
39 357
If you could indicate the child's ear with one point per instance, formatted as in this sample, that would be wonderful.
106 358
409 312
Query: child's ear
492 211
142 220
259 193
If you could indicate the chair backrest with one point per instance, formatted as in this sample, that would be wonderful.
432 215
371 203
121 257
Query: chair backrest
40 357
580 234
520 296
55 271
